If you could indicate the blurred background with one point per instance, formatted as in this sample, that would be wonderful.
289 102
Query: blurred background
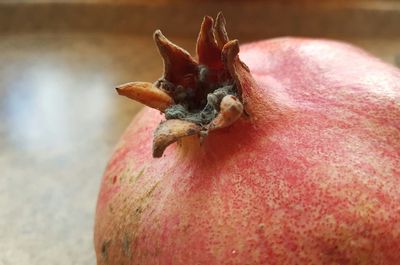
60 116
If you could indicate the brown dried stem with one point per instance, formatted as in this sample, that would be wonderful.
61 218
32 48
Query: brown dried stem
220 32
178 63
218 77
147 94
171 131
207 50
230 111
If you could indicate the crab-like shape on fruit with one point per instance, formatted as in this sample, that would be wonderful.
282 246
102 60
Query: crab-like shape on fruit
196 97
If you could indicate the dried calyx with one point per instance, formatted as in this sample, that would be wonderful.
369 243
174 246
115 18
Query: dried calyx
196 97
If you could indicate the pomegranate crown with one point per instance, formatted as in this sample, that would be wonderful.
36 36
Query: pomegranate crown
197 97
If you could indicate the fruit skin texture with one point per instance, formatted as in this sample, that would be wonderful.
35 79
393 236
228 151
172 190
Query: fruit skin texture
312 176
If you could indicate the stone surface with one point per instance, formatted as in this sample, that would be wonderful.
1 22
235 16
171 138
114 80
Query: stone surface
60 118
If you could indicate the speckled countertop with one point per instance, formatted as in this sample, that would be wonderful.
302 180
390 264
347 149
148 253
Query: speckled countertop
60 119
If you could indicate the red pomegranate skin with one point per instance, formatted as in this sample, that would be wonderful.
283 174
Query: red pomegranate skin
313 180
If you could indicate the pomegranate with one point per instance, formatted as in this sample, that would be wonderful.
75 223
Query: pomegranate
289 157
